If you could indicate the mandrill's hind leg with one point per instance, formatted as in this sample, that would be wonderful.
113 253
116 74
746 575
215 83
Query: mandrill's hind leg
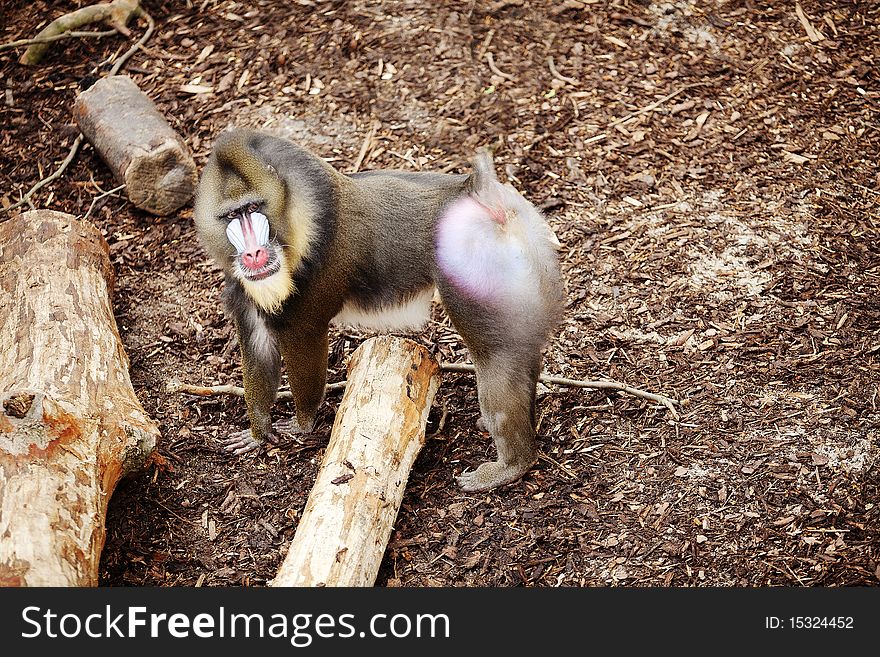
507 359
506 390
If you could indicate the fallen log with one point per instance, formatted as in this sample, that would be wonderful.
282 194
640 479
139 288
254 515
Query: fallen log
378 432
70 424
117 13
137 144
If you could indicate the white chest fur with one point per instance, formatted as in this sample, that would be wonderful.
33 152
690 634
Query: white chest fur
408 316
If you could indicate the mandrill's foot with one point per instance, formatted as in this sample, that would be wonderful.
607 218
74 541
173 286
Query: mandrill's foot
242 442
492 474
291 427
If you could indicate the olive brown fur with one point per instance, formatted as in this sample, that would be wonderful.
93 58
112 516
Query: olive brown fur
364 248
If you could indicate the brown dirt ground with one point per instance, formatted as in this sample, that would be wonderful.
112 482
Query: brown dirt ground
713 177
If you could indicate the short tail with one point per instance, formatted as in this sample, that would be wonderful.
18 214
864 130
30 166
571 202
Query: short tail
483 176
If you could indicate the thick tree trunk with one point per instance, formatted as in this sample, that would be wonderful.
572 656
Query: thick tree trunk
138 145
378 432
70 424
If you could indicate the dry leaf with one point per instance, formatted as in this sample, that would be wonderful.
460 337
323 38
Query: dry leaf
206 51
794 158
225 82
197 89
616 41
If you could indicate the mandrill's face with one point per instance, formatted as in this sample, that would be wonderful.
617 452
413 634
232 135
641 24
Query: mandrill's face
259 262
248 231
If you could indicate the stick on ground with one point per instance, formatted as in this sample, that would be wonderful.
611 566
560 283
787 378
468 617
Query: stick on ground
616 386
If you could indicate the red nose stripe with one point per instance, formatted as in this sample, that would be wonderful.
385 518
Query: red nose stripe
255 256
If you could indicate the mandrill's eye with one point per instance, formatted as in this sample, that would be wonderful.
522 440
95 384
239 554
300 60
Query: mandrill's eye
252 207
230 215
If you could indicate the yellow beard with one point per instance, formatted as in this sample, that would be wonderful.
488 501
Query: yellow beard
271 292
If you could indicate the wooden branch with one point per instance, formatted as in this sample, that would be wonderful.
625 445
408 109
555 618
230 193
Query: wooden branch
206 391
378 432
70 424
616 387
140 148
117 13
58 37
175 386
578 383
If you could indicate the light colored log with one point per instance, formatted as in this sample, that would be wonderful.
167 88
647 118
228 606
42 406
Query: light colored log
70 424
138 145
378 432
117 13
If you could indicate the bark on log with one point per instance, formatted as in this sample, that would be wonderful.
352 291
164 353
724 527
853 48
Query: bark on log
138 145
70 424
378 432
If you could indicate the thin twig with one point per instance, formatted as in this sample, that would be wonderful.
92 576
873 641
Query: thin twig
365 147
58 37
491 62
26 199
654 105
442 423
577 383
151 25
206 391
615 386
568 471
559 76
99 197
209 391
485 45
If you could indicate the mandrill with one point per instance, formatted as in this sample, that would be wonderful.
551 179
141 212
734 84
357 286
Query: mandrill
303 245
